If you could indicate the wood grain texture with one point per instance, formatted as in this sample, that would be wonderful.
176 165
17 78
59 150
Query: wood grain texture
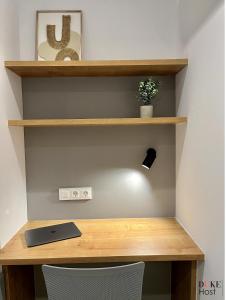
19 282
97 122
107 240
183 280
96 68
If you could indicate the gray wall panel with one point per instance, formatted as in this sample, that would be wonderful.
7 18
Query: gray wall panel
106 158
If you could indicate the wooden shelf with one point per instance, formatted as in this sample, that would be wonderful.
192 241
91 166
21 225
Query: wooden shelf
96 68
97 122
107 240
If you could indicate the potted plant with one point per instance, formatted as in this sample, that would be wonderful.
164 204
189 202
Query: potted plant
147 89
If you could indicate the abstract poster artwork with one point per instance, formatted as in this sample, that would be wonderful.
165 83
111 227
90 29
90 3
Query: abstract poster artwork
58 35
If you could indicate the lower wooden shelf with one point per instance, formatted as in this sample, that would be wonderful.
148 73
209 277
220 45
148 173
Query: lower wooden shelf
97 122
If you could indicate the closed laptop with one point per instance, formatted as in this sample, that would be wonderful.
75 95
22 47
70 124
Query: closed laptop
49 234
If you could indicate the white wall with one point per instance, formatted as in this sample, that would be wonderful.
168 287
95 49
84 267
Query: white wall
112 29
13 206
200 145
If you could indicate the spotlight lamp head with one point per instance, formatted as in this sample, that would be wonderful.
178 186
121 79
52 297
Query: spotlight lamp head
149 159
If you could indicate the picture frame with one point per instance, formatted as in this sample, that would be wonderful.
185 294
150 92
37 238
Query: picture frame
58 35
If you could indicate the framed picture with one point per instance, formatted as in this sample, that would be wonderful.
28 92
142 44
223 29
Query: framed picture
58 35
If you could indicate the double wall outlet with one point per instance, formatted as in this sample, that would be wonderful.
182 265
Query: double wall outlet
81 193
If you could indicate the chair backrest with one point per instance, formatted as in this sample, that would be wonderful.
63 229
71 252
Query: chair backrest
114 283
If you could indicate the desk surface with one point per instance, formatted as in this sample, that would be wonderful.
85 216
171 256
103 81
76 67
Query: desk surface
107 240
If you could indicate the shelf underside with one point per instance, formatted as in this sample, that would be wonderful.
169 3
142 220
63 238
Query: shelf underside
96 68
97 122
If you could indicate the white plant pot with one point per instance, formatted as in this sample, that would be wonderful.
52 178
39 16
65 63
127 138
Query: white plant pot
146 111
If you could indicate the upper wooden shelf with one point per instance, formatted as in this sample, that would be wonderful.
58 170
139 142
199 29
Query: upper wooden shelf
96 68
97 122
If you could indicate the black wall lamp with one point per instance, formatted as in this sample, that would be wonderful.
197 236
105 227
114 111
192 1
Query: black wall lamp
149 159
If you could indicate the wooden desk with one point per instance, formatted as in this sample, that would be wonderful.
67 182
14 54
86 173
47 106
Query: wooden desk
109 240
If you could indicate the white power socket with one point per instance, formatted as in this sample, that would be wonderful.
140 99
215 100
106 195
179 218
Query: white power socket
81 193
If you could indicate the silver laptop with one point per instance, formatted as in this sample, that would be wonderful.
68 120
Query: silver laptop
49 234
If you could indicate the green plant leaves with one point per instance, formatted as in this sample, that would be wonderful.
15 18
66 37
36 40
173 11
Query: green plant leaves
147 90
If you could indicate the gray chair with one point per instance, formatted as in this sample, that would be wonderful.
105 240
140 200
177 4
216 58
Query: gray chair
115 283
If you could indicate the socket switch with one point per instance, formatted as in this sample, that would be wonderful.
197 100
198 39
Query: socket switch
81 193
